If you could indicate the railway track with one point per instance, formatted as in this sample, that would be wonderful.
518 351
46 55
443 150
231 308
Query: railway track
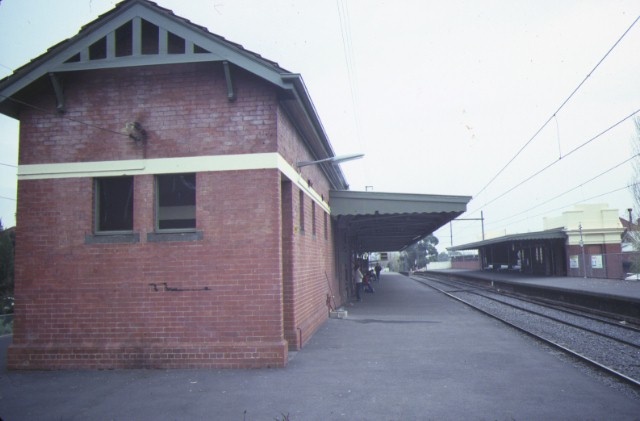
611 346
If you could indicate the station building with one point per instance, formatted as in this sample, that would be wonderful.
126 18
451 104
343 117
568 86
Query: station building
164 214
585 241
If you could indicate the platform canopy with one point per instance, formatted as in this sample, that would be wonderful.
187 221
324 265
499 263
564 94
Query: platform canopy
375 221
552 234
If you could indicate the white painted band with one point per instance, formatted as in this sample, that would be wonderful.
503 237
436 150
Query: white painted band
243 162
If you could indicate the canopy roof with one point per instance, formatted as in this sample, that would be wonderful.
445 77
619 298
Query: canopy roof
392 221
552 234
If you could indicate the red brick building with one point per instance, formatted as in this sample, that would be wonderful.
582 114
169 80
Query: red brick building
162 219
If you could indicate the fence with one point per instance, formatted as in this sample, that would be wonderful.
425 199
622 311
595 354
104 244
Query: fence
607 265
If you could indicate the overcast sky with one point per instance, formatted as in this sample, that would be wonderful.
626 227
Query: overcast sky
440 95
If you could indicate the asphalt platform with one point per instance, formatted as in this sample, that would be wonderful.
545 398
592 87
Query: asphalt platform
406 352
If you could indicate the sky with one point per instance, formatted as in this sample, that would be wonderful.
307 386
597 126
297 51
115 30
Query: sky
526 106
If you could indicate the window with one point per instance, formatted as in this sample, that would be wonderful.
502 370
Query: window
150 37
301 197
313 218
175 44
124 40
176 202
326 227
114 204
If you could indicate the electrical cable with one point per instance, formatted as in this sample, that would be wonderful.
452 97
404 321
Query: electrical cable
35 107
347 48
352 76
462 230
570 190
559 108
558 160
578 202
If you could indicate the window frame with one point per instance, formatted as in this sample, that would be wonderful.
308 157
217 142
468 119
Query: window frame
157 206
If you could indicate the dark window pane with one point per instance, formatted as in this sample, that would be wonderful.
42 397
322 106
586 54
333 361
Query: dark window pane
114 204
175 44
176 201
149 38
199 50
124 41
98 49
74 59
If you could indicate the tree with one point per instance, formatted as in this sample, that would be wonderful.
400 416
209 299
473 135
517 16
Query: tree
420 253
635 182
7 244
633 234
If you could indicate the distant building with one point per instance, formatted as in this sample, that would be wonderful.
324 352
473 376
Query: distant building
584 241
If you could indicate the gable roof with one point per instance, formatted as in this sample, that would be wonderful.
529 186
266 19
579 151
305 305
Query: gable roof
141 33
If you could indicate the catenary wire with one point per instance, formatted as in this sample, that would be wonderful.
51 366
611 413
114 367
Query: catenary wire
618 165
347 47
579 201
352 75
553 115
614 125
466 229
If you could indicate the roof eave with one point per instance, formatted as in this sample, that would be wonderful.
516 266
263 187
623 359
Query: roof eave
315 135
552 234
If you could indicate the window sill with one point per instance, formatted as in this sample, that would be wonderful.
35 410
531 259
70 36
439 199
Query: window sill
106 238
159 237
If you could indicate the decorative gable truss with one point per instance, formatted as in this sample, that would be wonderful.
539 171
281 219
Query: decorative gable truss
137 42
138 33
141 33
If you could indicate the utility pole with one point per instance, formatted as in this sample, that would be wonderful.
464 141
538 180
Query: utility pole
584 262
481 219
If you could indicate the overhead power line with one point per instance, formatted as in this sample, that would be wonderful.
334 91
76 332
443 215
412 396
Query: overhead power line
597 196
618 165
553 115
559 160
347 48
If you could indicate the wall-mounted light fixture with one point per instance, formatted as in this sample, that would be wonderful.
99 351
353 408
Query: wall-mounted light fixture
135 131
333 160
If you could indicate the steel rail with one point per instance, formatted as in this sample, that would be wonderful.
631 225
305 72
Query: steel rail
602 317
608 370
555 319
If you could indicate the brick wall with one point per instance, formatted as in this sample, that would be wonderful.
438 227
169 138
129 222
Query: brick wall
312 274
183 108
610 255
94 305
105 305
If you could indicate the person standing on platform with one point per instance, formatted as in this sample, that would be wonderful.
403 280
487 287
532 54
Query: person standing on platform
357 277
378 268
